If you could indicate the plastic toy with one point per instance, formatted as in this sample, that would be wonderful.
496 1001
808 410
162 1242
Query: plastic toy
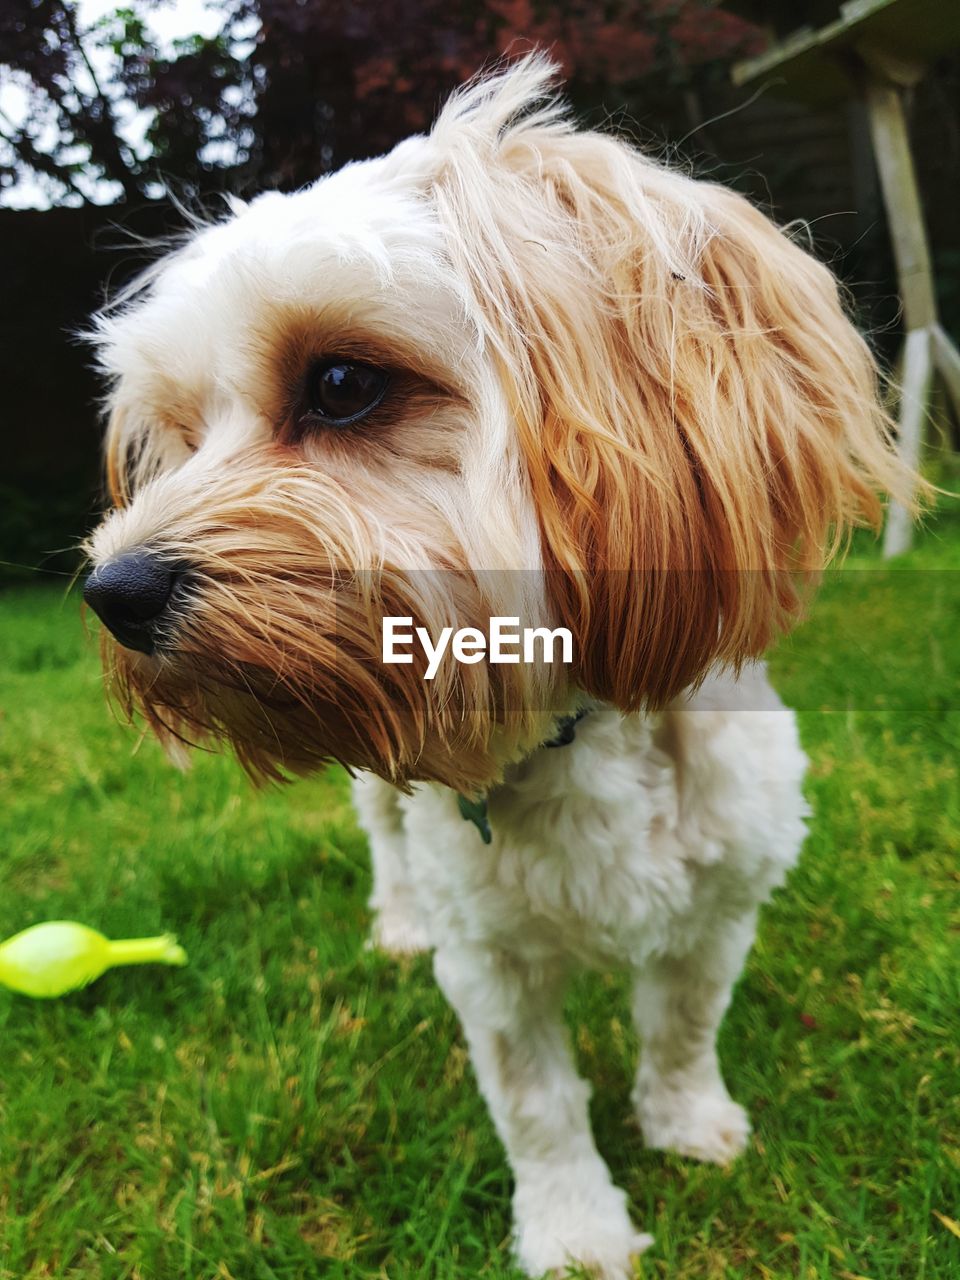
48 960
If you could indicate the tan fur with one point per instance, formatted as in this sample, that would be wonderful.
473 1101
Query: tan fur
279 651
700 420
622 400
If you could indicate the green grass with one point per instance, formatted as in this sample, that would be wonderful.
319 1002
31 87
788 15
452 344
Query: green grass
291 1105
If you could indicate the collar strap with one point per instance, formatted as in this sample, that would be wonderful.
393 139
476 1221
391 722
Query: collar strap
475 811
566 729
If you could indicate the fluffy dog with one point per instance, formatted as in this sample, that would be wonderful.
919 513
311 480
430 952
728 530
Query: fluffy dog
508 369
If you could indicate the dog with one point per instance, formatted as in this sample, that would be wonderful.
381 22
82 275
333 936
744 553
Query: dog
510 369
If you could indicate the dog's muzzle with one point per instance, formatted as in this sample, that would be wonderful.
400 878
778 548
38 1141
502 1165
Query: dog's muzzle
131 596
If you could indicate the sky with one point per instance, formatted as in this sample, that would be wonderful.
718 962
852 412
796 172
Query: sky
170 21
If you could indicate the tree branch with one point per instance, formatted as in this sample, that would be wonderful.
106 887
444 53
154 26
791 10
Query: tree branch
23 147
122 169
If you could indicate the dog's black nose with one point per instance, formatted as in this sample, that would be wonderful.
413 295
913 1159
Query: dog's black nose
129 595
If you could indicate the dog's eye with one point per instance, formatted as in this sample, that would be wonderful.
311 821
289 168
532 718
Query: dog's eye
341 391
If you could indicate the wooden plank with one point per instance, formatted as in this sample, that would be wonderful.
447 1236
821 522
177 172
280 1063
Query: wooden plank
914 397
947 359
819 65
898 180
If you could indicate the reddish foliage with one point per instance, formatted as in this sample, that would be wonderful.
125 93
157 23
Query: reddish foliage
373 73
327 82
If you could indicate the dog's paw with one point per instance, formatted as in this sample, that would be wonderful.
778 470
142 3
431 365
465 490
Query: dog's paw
704 1126
592 1230
398 933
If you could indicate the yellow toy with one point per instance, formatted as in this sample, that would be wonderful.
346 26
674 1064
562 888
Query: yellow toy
51 959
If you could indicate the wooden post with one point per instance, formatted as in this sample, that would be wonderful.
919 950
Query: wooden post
885 45
914 398
947 359
901 195
898 180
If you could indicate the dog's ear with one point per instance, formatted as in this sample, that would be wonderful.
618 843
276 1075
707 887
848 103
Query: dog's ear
119 452
697 417
137 449
146 418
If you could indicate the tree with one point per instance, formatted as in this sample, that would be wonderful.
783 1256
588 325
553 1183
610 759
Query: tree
290 89
341 80
88 93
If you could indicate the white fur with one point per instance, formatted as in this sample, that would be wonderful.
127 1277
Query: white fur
647 845
648 842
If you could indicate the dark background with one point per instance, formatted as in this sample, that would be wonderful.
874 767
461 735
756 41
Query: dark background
323 83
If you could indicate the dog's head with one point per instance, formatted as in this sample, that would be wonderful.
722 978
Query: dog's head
510 368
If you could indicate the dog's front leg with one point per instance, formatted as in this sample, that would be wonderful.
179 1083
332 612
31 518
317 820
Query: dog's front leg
398 923
681 1100
566 1208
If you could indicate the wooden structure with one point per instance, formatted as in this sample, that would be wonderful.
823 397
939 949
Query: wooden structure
879 49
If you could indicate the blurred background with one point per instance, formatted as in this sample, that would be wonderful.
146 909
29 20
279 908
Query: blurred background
112 117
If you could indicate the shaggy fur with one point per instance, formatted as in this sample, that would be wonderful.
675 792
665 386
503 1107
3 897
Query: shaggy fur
620 401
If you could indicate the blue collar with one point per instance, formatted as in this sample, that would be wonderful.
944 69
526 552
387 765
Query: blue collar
475 811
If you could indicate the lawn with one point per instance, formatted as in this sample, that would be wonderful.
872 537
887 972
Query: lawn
293 1105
